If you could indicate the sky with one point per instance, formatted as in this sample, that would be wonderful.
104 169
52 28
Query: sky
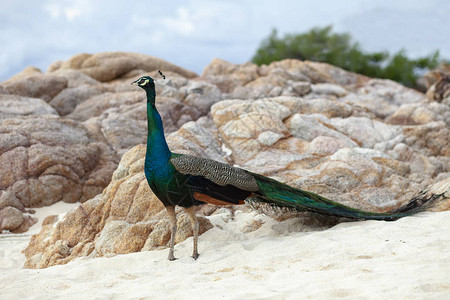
191 33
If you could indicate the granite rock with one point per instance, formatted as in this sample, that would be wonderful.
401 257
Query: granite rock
50 160
125 218
12 106
63 132
107 66
37 86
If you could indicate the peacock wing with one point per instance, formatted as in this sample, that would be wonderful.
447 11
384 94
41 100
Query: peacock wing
219 173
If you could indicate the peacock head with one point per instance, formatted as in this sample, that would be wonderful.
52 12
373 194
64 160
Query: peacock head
145 82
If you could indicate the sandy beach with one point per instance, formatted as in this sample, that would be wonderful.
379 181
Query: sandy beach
408 258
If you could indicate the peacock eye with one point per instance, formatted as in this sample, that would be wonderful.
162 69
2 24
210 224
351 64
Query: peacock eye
142 81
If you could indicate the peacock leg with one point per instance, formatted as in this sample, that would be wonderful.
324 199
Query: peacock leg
173 221
193 217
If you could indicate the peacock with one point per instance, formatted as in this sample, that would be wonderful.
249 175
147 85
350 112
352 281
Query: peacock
189 181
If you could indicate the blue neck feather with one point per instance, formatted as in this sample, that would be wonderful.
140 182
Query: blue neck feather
158 152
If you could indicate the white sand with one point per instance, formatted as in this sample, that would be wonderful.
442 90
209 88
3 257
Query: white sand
11 245
408 258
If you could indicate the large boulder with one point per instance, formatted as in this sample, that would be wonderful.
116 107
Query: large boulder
107 66
12 106
126 218
68 99
37 86
45 159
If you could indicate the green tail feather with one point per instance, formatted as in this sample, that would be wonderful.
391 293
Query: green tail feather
278 194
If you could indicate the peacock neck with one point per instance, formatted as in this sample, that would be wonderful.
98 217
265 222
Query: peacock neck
158 152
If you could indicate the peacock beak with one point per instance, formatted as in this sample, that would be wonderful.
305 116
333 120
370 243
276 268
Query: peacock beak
135 82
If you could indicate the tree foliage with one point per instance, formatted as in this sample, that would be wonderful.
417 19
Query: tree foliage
321 44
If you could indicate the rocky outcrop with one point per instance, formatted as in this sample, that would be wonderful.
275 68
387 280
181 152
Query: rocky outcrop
63 132
368 143
45 159
125 218
107 66
12 106
41 86
310 80
330 148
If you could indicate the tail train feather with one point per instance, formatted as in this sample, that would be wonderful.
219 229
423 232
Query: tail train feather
278 194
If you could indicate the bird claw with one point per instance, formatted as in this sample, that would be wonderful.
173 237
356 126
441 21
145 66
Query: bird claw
171 258
195 256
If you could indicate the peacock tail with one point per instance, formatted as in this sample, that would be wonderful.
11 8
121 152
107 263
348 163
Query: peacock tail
282 195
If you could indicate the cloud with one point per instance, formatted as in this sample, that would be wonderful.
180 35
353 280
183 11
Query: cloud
70 10
191 33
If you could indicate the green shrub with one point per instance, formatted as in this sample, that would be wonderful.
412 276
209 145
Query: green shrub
321 44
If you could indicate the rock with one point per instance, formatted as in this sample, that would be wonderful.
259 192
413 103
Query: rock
431 77
198 138
327 145
440 89
175 108
301 88
97 105
75 78
336 75
226 111
107 66
328 89
383 97
307 127
313 80
51 160
201 95
419 164
439 193
268 138
55 66
324 169
8 199
120 128
420 113
429 139
326 107
72 159
175 113
13 220
27 72
66 101
288 77
10 218
12 106
120 119
75 62
391 91
228 76
37 86
364 131
241 124
125 218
